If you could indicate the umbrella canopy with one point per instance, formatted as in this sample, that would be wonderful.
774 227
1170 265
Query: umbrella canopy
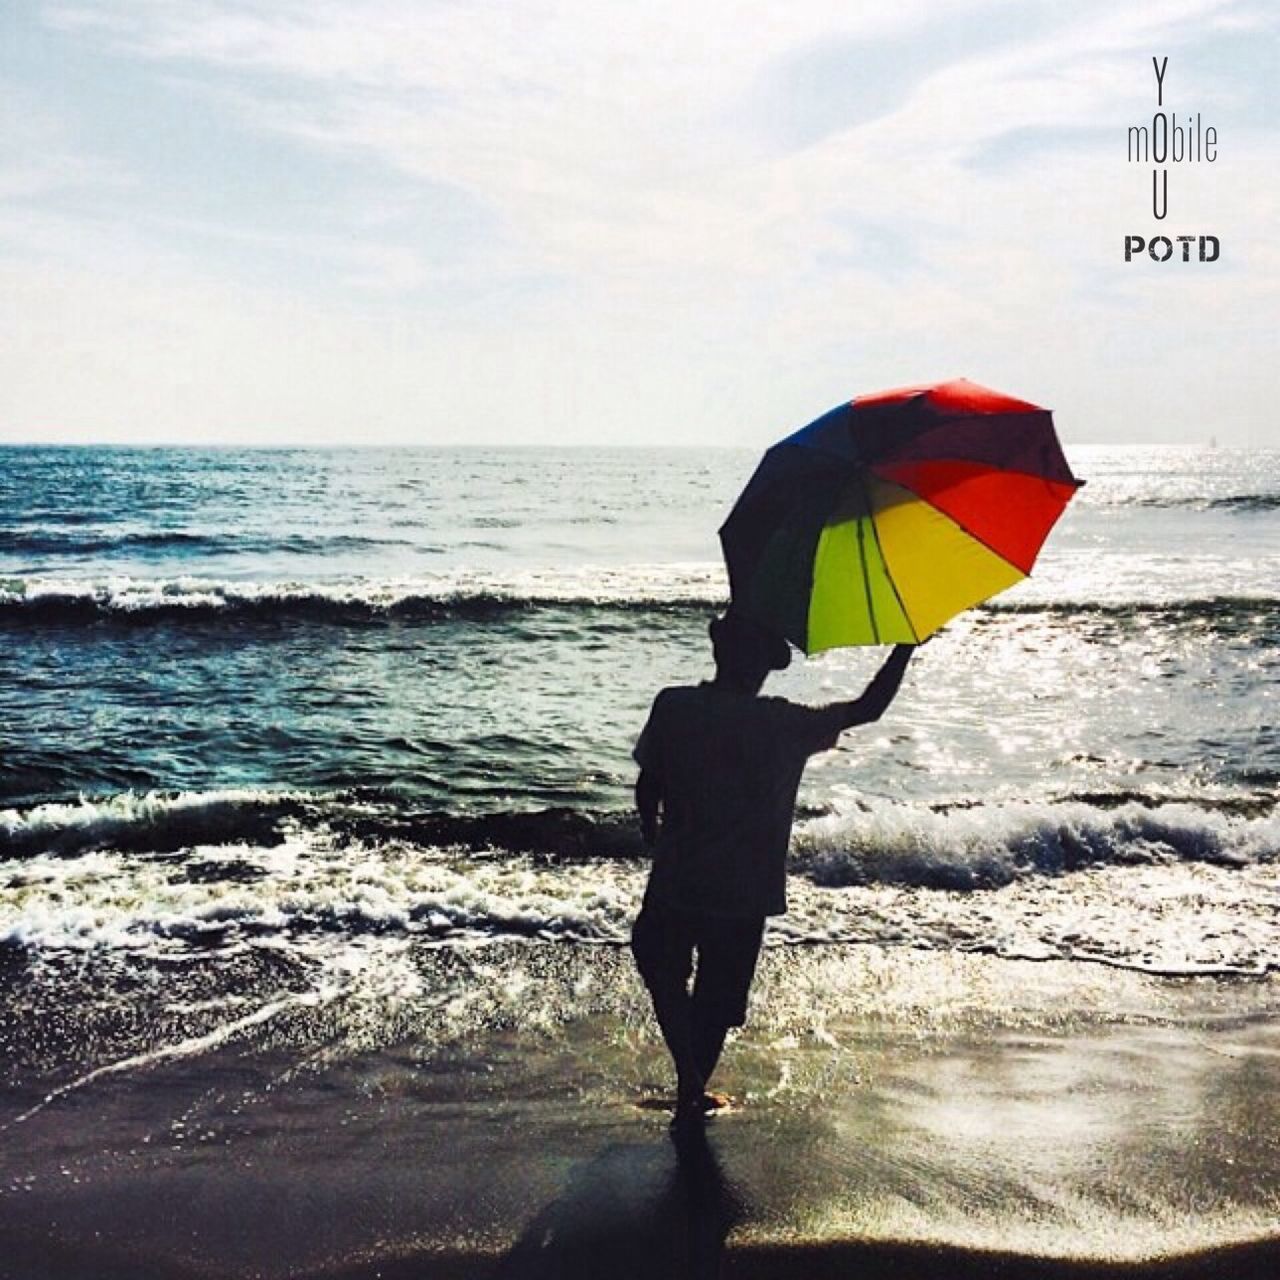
884 518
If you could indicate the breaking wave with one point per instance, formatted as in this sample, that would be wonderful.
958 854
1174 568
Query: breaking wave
476 594
425 599
991 845
156 822
149 823
305 885
1245 502
980 846
1165 887
47 540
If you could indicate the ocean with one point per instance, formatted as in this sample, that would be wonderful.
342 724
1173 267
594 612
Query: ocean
293 743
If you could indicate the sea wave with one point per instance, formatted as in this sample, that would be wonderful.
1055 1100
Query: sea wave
476 593
165 822
307 884
153 822
1219 609
1246 502
51 540
952 847
427 597
1167 889
991 845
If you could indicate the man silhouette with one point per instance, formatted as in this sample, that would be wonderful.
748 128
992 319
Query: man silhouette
719 770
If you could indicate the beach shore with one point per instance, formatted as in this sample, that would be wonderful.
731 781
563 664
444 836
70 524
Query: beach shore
899 1114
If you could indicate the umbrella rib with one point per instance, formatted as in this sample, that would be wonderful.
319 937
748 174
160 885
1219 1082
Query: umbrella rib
982 542
877 469
902 604
866 577
964 528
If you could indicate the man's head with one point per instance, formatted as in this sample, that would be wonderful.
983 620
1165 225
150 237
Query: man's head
745 651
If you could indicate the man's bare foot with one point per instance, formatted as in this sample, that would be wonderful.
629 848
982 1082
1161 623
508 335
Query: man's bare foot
688 1114
689 1096
694 1108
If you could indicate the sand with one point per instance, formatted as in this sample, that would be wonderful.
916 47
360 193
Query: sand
1102 1123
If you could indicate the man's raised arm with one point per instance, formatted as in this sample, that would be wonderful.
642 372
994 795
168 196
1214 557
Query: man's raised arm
875 698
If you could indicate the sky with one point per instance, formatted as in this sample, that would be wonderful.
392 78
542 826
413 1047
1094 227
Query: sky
651 223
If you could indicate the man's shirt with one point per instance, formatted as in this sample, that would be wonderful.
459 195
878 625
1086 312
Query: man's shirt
728 765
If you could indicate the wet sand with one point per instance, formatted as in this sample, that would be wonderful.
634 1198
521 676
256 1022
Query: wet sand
1104 1124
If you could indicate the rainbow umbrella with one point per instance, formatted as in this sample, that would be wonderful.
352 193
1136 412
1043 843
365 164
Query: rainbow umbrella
884 518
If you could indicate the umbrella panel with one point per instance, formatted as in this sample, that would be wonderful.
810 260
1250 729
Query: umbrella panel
957 397
937 568
779 590
853 600
1007 442
1009 511
769 540
881 567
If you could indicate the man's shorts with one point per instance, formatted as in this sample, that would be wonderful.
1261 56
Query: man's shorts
664 939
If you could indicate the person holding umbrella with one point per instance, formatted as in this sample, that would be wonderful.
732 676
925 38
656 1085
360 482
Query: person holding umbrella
720 767
875 524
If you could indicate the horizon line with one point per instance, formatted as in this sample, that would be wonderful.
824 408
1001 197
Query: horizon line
514 446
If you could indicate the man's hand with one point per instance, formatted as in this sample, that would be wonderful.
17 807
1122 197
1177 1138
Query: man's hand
877 696
648 800
883 688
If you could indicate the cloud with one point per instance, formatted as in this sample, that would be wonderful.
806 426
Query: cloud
647 220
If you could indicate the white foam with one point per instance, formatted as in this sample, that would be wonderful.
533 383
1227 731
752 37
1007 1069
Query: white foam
871 876
306 883
992 844
372 971
667 583
96 823
1071 579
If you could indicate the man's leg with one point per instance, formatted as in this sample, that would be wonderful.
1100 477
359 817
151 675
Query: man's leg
708 1041
662 945
727 953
